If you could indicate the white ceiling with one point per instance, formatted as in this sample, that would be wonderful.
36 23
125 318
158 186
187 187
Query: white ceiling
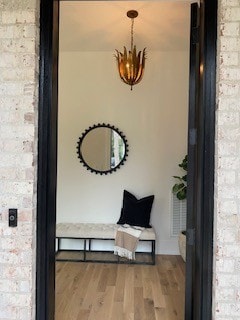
104 26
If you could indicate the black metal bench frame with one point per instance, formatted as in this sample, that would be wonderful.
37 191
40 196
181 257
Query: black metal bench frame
87 249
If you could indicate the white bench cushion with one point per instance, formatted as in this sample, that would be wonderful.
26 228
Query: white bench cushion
95 230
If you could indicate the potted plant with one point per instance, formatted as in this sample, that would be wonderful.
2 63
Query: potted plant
180 190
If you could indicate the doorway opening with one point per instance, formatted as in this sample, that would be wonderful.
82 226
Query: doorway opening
48 193
153 117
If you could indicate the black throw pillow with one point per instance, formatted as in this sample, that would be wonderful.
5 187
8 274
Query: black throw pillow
136 212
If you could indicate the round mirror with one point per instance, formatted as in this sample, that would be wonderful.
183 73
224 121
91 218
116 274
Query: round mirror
102 148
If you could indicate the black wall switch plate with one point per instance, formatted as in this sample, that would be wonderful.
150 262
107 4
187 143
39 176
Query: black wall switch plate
12 217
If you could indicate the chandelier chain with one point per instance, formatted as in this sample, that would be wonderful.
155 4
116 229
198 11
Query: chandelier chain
132 34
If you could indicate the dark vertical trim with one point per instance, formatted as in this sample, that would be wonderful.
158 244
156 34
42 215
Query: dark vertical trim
192 158
209 102
47 161
202 159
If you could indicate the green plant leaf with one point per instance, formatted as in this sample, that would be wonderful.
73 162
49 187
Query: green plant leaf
175 188
184 163
179 178
184 178
180 189
181 195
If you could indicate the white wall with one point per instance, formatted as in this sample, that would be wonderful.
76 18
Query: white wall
154 119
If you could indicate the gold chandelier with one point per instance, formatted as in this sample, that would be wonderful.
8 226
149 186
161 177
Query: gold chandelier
131 65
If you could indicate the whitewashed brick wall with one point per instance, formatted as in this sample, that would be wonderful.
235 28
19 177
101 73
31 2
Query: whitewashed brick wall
18 135
226 286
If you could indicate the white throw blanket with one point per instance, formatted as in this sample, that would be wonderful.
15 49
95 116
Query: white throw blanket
126 241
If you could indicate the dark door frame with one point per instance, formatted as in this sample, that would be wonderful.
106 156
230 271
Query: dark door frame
47 164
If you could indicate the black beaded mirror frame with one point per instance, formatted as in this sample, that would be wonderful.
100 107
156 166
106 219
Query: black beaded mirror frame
81 158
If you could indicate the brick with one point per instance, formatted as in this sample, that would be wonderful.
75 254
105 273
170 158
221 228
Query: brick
231 14
10 117
227 219
23 229
27 60
26 258
228 177
11 32
27 202
8 312
8 60
23 272
229 29
228 149
230 3
22 45
11 160
228 118
15 17
29 117
12 174
227 207
16 74
225 294
16 102
30 31
11 145
232 134
13 88
231 74
227 163
229 309
24 314
226 235
229 58
17 188
27 146
229 103
17 132
25 286
228 89
16 300
237 269
8 286
8 257
229 251
16 244
7 201
230 44
225 266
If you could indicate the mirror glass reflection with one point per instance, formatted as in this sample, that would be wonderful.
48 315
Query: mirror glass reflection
102 149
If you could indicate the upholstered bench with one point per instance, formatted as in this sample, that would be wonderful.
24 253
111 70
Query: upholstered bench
89 232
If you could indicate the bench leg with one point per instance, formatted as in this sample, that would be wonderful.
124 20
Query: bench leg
153 252
58 245
84 250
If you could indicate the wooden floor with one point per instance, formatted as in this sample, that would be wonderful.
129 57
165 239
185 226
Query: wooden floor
97 291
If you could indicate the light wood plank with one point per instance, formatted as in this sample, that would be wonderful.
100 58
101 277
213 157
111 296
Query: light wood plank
128 305
98 291
138 303
120 283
